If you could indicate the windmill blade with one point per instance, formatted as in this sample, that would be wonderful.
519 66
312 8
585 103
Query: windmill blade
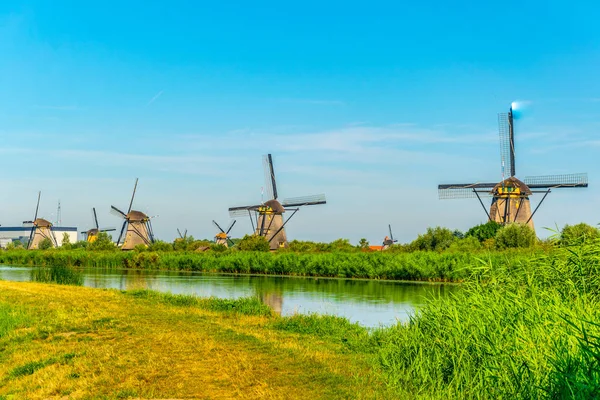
557 181
230 241
150 230
31 236
185 234
179 232
304 201
230 226
242 211
132 196
391 234
37 207
464 190
114 210
270 176
106 229
121 234
507 143
95 218
218 226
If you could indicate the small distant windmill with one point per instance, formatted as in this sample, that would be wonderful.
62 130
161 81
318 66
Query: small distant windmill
92 234
269 215
184 236
139 228
389 240
223 237
510 197
40 229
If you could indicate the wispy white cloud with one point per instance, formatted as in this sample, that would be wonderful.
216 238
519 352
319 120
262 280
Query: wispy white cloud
156 96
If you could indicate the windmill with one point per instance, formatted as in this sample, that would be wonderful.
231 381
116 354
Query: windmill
40 229
389 240
92 234
268 215
510 197
223 237
139 228
184 236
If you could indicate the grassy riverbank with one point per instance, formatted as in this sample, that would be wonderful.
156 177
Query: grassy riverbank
60 341
528 330
416 266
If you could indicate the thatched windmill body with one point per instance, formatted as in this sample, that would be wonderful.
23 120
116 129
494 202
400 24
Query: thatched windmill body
223 237
91 235
510 197
41 229
137 226
270 222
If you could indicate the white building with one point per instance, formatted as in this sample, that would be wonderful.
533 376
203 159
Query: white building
9 234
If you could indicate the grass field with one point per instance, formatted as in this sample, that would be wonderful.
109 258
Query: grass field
524 330
74 342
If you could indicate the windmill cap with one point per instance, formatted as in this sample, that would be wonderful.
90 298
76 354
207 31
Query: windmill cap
221 235
136 216
42 223
275 206
513 182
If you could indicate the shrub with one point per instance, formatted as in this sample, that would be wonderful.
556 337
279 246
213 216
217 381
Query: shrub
434 239
515 235
469 243
578 234
45 244
485 231
253 243
103 242
159 245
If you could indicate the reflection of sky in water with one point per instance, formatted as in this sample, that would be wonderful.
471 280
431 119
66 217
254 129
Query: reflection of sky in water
370 303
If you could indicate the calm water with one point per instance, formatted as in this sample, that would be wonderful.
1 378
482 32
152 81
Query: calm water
370 303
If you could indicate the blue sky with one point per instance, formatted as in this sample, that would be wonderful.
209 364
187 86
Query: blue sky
372 103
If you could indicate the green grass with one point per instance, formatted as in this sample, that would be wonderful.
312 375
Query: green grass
415 266
61 274
244 305
530 331
11 318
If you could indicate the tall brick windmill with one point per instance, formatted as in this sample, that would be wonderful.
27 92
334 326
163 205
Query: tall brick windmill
136 226
268 215
510 197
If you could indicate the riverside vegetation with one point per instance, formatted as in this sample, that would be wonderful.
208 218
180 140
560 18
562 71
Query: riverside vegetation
437 255
528 330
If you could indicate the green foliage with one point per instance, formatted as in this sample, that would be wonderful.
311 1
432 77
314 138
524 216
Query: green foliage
469 243
11 318
45 244
183 244
244 305
80 244
63 275
515 235
218 247
363 243
323 326
485 231
435 239
196 244
66 241
159 245
253 243
458 234
579 234
102 243
526 331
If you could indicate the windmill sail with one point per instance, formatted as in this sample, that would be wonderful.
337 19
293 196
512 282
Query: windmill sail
557 181
507 143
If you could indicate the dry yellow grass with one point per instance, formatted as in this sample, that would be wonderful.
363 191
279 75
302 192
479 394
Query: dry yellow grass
91 343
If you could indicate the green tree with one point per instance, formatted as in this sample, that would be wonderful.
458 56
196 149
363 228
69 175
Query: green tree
102 243
363 243
515 235
66 241
485 231
578 234
341 245
183 244
437 238
253 243
45 244
159 245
